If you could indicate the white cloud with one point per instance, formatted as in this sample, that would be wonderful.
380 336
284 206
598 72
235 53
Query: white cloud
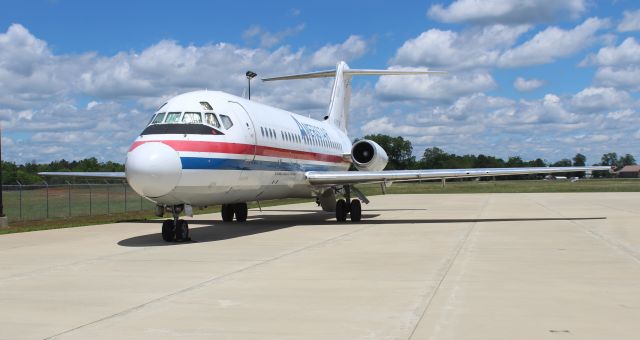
476 47
352 48
628 52
553 43
490 46
625 77
601 99
524 85
630 22
267 38
439 88
507 12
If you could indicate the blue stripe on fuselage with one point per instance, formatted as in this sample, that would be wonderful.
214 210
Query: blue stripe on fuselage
199 163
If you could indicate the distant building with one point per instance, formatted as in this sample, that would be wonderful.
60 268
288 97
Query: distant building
629 171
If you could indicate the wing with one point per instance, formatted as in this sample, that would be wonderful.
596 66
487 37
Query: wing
354 177
98 175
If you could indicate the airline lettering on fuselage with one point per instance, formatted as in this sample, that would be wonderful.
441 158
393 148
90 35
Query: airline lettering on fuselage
311 131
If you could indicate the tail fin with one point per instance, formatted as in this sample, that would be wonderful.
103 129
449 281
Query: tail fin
338 112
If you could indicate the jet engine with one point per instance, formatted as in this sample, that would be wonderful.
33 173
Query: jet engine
367 155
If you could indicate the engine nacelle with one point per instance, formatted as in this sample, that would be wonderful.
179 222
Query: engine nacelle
367 155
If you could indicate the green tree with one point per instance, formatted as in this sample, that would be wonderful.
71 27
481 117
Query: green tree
562 162
579 160
515 162
610 159
434 158
397 148
626 160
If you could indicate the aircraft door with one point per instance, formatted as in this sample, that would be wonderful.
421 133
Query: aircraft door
247 126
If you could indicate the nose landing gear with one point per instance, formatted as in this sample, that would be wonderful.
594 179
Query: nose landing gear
175 230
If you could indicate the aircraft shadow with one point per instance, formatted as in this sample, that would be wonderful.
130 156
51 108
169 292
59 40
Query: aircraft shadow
216 230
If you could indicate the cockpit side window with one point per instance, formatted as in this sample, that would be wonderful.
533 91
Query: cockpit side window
211 119
158 118
173 117
226 121
192 118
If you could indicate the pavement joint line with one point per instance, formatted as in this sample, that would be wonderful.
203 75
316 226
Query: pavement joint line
449 265
49 269
609 241
208 282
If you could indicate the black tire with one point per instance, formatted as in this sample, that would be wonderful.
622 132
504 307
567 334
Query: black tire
341 210
241 211
355 211
182 231
227 212
167 231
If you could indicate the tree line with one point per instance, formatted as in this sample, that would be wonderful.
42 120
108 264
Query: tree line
27 173
399 150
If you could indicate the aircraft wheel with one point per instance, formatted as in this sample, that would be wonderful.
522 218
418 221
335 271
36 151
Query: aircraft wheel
341 210
182 231
241 211
227 212
167 230
355 211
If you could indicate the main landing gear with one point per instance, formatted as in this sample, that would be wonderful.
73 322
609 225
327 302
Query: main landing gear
240 211
175 230
344 207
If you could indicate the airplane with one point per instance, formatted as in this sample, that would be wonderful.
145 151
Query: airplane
206 148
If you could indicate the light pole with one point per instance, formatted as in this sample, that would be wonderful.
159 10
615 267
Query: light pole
250 75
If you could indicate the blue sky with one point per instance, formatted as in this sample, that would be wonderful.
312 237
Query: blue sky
532 78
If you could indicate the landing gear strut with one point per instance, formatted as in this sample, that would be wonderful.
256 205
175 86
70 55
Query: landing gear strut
175 230
348 206
239 210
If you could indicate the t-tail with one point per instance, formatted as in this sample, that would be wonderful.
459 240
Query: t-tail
338 113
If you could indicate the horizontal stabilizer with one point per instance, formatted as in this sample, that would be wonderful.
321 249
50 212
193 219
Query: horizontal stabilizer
352 72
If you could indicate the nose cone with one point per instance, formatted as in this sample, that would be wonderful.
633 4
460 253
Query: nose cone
153 169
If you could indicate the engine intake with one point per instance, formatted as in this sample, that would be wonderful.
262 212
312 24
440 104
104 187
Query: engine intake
367 155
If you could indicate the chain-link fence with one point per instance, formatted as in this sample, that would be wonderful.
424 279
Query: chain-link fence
43 201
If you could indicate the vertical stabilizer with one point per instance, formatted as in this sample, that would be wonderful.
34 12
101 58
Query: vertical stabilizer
340 97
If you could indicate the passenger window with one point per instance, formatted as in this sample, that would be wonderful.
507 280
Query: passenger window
211 119
226 121
192 118
158 118
173 117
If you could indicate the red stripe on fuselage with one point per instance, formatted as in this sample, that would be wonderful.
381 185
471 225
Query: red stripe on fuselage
242 149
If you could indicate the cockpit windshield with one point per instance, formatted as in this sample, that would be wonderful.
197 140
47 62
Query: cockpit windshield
173 117
158 118
211 119
192 118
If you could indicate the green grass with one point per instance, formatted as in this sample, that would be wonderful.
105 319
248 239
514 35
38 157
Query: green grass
144 209
524 186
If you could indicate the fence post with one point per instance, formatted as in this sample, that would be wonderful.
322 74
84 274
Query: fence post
20 199
89 184
47 186
69 201
108 204
124 185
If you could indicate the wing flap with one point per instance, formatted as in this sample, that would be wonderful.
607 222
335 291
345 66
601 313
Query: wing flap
353 177
103 175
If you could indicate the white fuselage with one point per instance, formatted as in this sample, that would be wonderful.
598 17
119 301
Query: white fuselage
262 155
